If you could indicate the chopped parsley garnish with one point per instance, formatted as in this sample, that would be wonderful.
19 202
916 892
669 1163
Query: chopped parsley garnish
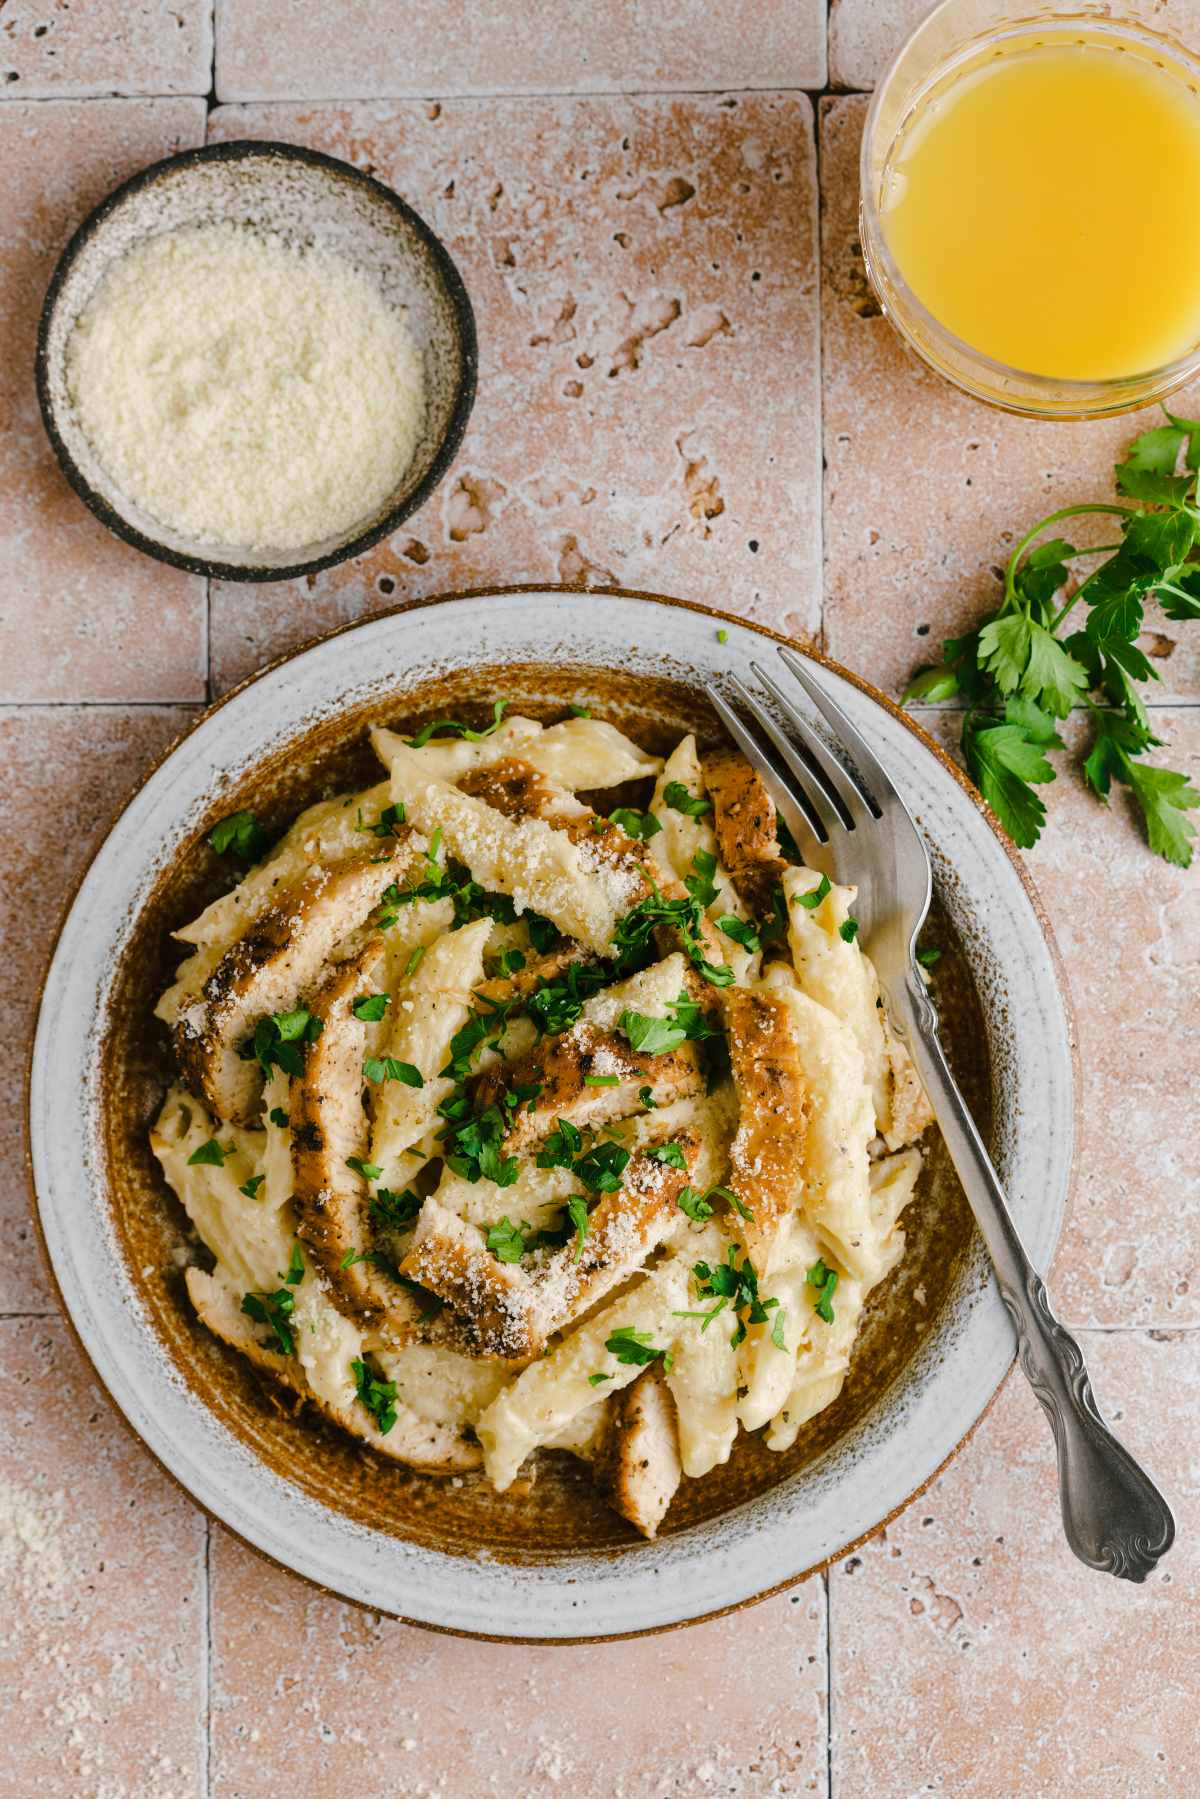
577 1212
278 1041
508 961
777 1336
295 1267
635 1348
812 899
279 1117
555 1004
273 1310
370 1171
647 1098
670 1154
641 825
239 835
731 1198
473 1144
659 1036
693 1204
394 1211
731 1284
252 1186
578 711
678 797
506 1240
595 1380
386 823
370 1007
825 1281
741 931
601 1168
387 1068
450 727
415 959
927 957
635 931
602 1080
722 635
463 1045
849 930
377 1394
210 1155
561 1146
701 885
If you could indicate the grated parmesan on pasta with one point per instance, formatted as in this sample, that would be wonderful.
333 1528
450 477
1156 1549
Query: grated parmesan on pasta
245 392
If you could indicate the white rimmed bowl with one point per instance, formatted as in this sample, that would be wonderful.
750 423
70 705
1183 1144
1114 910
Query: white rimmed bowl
549 1565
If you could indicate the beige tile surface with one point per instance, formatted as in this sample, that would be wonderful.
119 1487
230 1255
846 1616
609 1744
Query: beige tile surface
81 615
643 276
313 1695
1128 926
283 49
972 1655
926 490
102 1559
864 35
105 47
66 769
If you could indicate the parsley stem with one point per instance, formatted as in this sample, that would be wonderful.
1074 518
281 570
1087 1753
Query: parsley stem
1052 518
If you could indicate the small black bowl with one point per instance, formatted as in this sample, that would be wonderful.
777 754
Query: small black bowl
304 197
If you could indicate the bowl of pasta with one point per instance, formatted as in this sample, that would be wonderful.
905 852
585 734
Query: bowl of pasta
492 1186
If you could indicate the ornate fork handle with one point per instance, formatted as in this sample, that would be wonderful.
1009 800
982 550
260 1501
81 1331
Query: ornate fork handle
1115 1518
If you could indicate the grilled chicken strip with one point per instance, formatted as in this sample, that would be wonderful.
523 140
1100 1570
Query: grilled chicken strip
767 1156
637 1465
744 821
562 1065
282 953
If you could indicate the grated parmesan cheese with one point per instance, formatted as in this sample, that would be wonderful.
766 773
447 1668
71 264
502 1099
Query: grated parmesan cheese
244 392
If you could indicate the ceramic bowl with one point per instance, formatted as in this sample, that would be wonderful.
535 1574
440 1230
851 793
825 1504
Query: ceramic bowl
305 198
547 1560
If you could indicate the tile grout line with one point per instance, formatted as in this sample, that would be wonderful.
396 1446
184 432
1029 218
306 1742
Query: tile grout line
206 1669
616 93
829 1695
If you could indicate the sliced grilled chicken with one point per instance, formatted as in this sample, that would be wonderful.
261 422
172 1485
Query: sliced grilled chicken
509 1310
767 1157
434 1448
492 1301
504 990
744 821
269 969
637 1465
329 1125
519 790
565 1068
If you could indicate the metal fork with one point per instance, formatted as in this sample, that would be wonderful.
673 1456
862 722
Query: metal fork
1115 1518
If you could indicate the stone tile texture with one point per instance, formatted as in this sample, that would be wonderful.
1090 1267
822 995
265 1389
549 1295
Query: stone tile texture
865 35
973 1656
642 274
102 1659
283 49
77 760
310 1694
82 616
48 49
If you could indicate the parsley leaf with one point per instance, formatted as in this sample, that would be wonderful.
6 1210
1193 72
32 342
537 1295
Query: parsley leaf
387 1068
274 1310
693 1205
370 1171
295 1267
635 1348
394 1211
279 1117
450 727
701 885
370 1007
812 899
278 1041
681 799
741 931
736 1285
375 1393
239 835
927 957
252 1185
601 1168
848 930
506 1240
210 1155
577 1212
595 1380
634 935
561 1146
670 1154
640 825
825 1281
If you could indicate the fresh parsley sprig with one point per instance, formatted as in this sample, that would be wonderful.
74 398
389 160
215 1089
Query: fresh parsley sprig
1019 675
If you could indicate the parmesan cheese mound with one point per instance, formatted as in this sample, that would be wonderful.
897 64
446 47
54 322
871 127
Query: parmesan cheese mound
244 392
